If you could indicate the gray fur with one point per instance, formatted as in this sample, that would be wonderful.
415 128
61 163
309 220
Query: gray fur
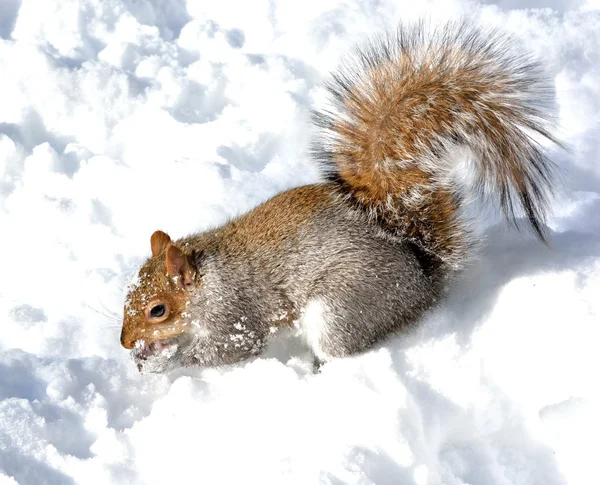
372 284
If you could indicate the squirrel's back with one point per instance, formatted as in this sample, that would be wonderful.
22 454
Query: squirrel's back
408 111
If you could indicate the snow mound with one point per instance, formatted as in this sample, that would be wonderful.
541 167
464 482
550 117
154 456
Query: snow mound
119 118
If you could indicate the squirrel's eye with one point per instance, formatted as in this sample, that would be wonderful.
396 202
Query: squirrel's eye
158 311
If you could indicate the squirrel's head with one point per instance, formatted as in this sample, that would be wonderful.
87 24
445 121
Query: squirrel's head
155 317
188 308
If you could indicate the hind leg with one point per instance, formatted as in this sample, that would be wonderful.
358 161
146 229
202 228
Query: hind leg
351 311
335 329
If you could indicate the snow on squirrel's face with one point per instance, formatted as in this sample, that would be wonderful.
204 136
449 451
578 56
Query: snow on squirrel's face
157 323
175 317
155 319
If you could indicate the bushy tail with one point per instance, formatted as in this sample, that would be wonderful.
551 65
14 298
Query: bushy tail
408 109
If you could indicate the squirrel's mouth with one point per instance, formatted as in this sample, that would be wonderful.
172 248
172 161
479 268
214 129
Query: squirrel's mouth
153 355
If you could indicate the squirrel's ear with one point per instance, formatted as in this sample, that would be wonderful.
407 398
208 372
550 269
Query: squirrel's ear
178 265
158 242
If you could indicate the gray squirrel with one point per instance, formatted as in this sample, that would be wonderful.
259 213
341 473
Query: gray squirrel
362 255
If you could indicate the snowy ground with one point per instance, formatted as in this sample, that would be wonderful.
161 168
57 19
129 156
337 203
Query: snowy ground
119 117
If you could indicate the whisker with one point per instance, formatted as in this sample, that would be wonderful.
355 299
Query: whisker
111 327
111 316
110 312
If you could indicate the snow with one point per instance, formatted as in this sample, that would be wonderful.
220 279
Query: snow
122 117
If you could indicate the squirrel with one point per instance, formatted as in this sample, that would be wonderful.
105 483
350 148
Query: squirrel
419 123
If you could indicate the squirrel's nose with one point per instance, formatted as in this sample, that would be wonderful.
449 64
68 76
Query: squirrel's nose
127 343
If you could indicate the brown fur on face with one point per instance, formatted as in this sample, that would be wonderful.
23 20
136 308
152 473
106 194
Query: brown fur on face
154 286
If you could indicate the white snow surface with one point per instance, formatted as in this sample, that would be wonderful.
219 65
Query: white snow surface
120 117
